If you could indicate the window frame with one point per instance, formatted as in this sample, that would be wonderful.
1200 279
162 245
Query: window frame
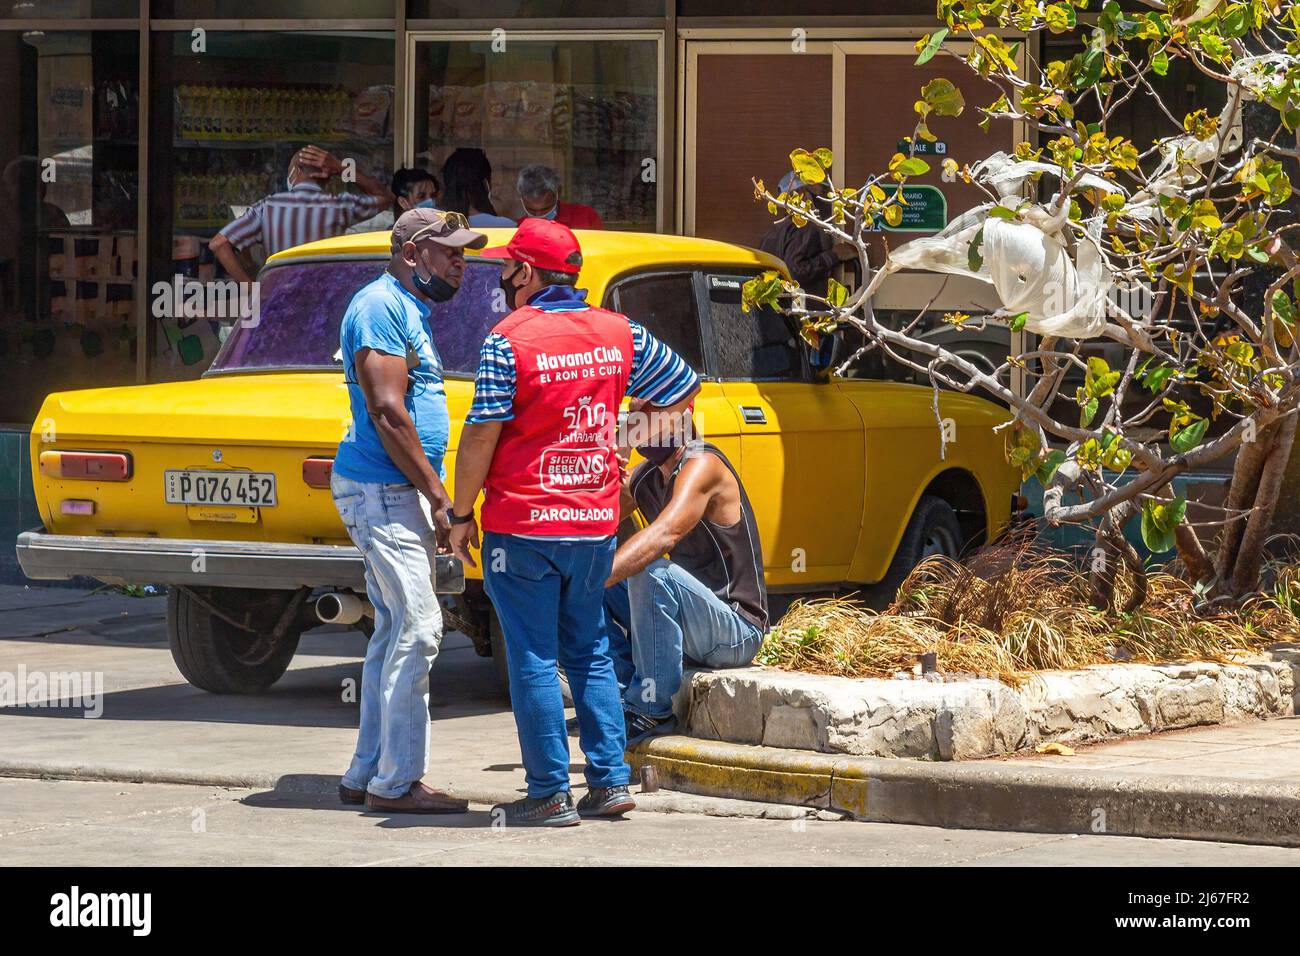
712 356
612 301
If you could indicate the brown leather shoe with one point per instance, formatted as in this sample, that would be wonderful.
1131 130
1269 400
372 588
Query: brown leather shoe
419 799
353 798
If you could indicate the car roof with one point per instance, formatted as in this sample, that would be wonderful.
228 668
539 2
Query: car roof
607 251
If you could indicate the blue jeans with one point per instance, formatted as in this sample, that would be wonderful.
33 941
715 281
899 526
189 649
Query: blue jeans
390 527
663 614
547 596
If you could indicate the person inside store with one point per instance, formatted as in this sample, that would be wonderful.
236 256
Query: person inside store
705 602
302 213
810 254
539 191
540 439
412 188
388 488
467 188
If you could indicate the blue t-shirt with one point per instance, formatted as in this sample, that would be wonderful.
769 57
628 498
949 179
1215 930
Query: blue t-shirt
387 318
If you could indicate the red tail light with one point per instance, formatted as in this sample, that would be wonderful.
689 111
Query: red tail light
316 471
86 465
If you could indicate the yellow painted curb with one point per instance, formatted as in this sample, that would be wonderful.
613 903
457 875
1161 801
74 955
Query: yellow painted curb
737 770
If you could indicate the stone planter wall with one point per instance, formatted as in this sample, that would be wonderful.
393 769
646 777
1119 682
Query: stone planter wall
957 720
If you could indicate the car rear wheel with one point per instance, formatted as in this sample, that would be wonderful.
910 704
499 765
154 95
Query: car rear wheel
232 640
933 529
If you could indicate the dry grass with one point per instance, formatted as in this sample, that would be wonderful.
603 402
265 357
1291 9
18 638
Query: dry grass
1013 610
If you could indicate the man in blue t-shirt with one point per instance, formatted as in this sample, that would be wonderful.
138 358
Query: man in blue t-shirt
387 486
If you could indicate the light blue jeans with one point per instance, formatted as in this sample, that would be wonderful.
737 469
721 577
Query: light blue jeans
660 616
390 526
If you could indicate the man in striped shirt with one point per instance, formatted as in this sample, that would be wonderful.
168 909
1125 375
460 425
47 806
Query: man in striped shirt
541 437
304 212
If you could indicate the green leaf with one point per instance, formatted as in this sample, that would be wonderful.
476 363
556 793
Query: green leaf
1185 439
913 166
806 165
1088 412
836 293
1048 466
1002 212
930 45
1160 521
973 258
1018 321
1160 63
943 97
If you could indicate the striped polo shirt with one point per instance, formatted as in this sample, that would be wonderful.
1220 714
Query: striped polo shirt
304 213
659 375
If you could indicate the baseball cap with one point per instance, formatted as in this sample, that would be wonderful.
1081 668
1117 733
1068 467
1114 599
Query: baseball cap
543 243
445 228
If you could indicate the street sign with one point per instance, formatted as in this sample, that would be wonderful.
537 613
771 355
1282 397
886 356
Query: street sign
926 211
922 147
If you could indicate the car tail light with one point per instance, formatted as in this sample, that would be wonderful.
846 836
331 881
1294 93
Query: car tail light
316 471
77 506
86 465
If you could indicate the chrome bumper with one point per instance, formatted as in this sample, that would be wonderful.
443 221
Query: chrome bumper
232 564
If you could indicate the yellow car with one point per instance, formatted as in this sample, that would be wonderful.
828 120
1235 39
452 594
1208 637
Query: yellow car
220 487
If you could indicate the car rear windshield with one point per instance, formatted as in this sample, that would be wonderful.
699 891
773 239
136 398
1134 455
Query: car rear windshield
302 306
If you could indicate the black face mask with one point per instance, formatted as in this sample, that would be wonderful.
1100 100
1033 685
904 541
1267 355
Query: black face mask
435 287
658 453
510 290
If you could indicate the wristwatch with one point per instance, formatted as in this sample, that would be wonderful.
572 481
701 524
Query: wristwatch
453 518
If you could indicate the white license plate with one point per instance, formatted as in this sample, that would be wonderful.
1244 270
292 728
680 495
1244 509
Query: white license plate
252 489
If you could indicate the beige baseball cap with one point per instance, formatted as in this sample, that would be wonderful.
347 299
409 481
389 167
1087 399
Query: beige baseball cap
444 228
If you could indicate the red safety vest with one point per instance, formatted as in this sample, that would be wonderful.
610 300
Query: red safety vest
555 469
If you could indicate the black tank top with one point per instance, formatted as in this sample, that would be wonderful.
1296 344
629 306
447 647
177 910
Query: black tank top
727 559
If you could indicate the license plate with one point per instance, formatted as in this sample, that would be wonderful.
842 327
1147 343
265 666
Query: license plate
251 489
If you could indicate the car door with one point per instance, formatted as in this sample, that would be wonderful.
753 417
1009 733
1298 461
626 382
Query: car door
801 441
666 304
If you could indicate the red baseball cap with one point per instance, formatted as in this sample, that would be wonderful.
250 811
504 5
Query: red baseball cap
542 243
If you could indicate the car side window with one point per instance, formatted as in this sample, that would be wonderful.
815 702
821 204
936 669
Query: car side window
665 304
758 344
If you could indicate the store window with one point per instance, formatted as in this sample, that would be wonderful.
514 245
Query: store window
532 9
68 188
588 109
68 9
227 120
275 9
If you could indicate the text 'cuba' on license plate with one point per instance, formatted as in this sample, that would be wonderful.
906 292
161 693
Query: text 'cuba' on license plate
253 489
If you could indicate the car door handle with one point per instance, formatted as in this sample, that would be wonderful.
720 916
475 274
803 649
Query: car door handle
753 415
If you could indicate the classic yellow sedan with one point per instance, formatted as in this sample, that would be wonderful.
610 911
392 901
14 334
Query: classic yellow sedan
219 487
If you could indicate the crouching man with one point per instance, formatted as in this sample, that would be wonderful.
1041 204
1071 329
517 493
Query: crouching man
706 602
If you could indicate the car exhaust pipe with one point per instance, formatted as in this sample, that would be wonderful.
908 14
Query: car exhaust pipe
342 608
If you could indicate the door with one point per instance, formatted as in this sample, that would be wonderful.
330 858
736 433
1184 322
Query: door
748 104
665 303
801 444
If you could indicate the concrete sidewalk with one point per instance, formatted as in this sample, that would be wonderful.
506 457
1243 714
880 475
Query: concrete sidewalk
1237 783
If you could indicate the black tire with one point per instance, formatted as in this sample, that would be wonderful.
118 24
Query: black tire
502 667
215 655
933 529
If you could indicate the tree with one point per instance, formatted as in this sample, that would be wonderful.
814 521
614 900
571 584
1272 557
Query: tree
1184 225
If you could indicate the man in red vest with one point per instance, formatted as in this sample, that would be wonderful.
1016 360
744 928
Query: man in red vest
541 442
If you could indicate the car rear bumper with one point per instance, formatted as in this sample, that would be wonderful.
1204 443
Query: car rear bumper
232 564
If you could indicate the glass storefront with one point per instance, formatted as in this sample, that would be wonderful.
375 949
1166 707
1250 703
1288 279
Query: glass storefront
68 9
588 108
226 122
68 256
